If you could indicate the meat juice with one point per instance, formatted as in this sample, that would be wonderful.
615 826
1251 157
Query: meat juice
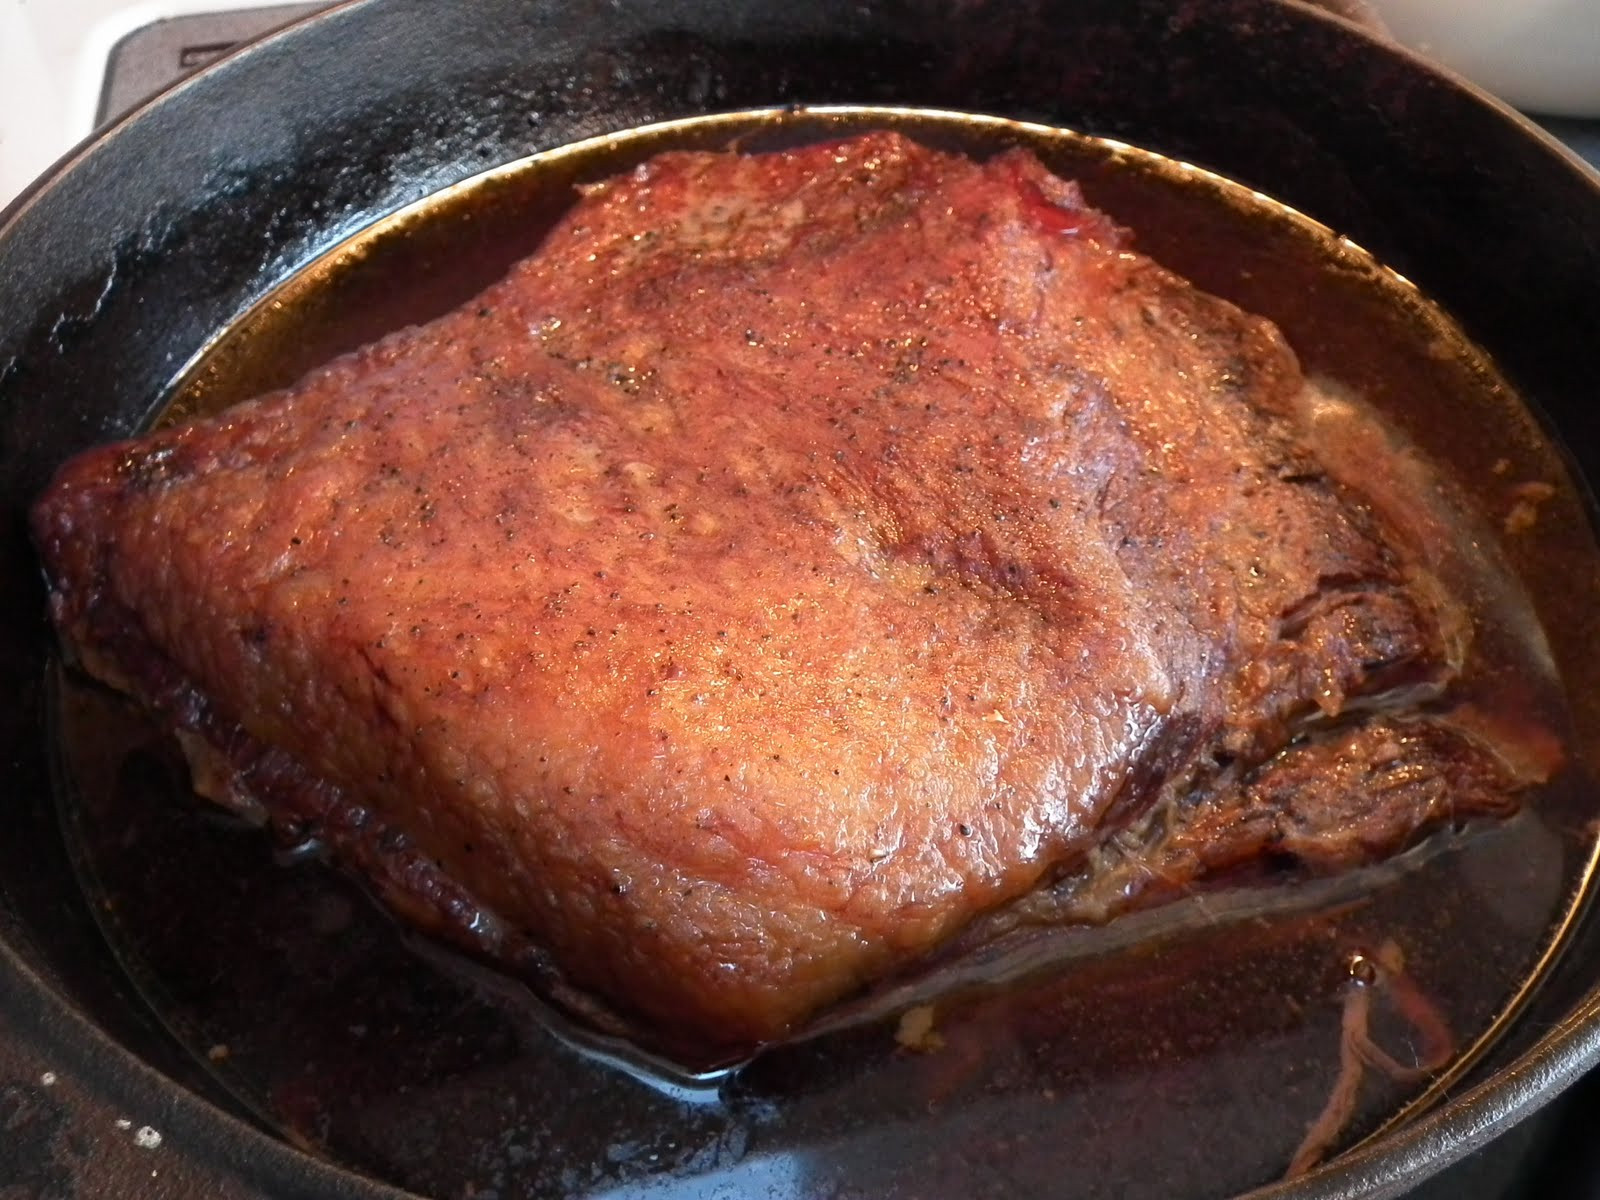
1182 1051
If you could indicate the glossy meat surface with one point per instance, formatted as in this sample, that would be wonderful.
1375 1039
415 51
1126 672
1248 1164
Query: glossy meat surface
801 555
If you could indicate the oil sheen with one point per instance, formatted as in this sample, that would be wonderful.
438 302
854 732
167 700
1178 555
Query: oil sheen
1178 1053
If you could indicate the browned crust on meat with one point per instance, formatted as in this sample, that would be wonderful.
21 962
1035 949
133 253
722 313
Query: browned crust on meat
799 556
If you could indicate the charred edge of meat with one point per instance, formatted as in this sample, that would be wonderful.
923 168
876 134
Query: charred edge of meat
1342 797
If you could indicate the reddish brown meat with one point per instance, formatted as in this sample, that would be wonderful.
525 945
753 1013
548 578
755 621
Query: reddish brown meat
799 556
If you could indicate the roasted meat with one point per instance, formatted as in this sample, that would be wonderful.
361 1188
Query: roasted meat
799 556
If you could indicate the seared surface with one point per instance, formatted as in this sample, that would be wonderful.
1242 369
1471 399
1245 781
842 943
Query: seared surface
799 556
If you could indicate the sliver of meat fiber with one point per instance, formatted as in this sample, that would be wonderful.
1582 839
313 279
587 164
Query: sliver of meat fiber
799 556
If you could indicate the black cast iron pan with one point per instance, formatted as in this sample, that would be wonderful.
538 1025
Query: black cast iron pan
117 269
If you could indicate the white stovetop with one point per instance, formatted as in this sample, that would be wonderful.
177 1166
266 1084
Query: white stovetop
52 63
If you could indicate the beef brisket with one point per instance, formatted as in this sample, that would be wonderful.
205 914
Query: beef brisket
799 556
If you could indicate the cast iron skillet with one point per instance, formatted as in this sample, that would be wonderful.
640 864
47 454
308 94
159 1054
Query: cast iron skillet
116 269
